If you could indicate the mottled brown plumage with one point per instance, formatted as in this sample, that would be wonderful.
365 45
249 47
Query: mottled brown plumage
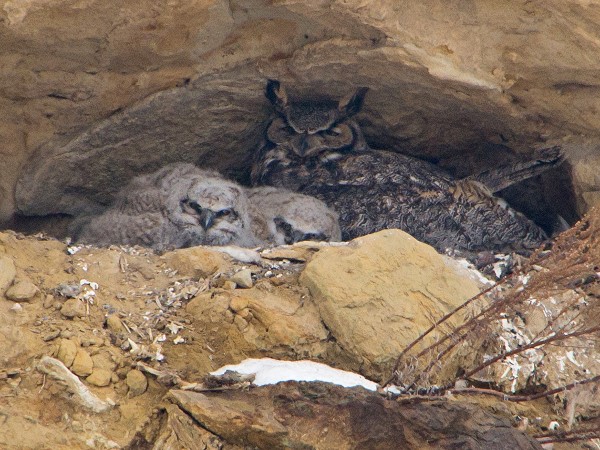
374 189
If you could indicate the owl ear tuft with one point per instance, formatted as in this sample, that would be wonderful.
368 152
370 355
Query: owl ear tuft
352 103
276 94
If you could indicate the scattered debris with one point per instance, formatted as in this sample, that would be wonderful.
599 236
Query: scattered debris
81 394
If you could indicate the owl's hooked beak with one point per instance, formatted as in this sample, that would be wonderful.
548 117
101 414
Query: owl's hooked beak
305 145
207 218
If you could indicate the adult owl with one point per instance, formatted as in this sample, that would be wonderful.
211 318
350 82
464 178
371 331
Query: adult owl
280 216
318 149
177 206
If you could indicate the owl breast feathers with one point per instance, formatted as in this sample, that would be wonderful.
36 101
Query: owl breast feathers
319 150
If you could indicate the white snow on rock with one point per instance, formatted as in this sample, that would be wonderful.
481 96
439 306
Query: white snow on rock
272 371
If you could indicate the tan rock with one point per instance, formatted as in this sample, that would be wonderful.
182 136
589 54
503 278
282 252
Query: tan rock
350 418
381 292
196 262
229 285
100 377
243 278
114 324
278 318
73 308
67 350
240 322
104 360
22 291
83 364
49 301
238 303
8 272
137 383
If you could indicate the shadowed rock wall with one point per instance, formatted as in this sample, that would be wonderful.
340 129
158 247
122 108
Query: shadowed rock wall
93 93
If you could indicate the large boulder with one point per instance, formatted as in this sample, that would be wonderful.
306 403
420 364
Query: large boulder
322 416
381 292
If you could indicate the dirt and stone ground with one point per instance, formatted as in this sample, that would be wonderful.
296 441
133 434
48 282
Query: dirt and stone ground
131 325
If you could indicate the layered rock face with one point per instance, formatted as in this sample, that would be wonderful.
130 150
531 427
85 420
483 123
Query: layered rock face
93 93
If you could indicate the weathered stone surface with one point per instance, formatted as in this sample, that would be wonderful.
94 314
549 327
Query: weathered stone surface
322 416
67 350
238 303
22 291
83 364
136 382
73 308
103 360
381 292
192 90
267 319
8 272
180 432
196 262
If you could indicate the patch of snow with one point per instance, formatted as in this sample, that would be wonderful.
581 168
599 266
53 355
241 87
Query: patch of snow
272 371
393 390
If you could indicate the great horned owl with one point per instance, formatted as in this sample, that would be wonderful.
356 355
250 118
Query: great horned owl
177 206
316 148
280 216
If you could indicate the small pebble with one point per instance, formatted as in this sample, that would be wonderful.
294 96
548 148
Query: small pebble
51 336
83 364
49 301
229 285
73 308
240 323
243 278
67 350
114 324
100 377
137 382
22 291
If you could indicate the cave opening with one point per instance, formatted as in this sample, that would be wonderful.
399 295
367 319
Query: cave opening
81 174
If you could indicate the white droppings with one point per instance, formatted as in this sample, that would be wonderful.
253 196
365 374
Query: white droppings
571 357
